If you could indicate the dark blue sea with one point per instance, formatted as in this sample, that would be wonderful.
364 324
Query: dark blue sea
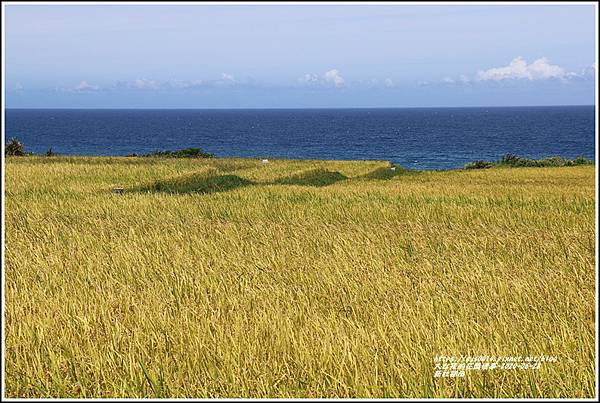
420 138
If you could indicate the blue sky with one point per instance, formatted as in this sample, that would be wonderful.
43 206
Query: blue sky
201 56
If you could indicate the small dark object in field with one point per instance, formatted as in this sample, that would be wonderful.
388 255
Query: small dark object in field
50 153
119 191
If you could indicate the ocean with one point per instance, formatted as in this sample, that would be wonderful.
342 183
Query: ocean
418 138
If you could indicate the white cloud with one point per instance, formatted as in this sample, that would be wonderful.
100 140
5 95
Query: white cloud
18 87
370 83
449 81
373 83
84 86
226 80
228 77
183 84
589 71
309 78
145 84
333 76
138 84
518 69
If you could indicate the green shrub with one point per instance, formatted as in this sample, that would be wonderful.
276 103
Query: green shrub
14 148
512 160
479 164
581 160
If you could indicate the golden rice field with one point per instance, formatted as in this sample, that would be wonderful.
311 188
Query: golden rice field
233 278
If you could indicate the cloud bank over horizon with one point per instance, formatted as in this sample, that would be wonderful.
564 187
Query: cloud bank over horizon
518 70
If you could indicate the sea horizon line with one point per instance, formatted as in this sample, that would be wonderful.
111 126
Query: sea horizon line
303 108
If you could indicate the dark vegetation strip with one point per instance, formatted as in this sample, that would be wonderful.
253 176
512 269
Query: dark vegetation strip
15 148
512 160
